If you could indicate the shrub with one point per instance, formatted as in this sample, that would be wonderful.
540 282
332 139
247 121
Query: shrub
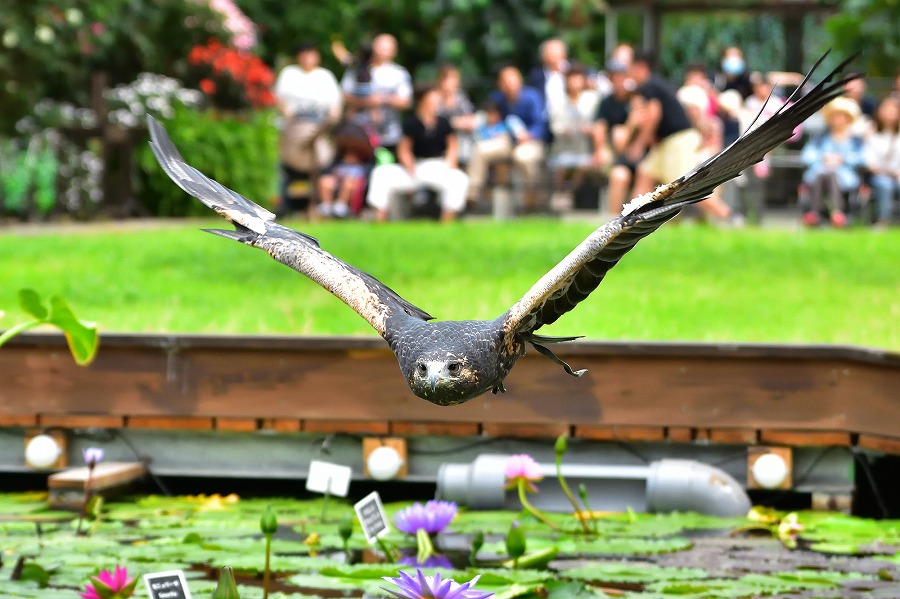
238 150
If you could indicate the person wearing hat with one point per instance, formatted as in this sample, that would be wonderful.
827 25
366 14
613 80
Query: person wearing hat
832 161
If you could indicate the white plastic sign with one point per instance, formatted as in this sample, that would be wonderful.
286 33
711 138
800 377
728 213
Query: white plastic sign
325 477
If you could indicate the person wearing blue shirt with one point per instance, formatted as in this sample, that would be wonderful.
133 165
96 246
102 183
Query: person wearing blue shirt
524 145
832 163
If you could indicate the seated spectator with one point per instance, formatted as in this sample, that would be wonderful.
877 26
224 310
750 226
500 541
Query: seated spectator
456 107
548 78
388 91
832 160
882 155
342 184
427 157
309 99
571 123
525 146
494 125
695 101
733 74
697 75
615 125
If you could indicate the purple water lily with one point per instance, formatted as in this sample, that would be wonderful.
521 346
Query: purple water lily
433 517
433 587
92 456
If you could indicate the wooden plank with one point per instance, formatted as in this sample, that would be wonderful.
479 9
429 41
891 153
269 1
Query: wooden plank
352 427
81 421
680 434
804 438
879 443
243 425
18 420
702 435
170 422
738 436
524 431
443 429
813 389
620 433
281 425
104 476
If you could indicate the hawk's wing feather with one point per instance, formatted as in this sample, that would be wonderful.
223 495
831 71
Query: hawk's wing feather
579 273
256 226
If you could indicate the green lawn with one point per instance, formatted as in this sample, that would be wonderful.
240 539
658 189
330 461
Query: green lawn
685 282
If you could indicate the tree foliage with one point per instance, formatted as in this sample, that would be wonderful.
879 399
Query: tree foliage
50 49
869 27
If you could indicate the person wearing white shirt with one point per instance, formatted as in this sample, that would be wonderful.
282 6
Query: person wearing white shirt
388 92
310 101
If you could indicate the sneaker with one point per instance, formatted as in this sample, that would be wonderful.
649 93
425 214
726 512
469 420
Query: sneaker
810 219
340 210
838 219
324 210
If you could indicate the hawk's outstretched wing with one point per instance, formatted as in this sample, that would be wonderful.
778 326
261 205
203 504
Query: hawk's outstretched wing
254 225
579 273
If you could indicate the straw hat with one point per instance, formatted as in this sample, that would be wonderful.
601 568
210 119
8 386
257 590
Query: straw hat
841 104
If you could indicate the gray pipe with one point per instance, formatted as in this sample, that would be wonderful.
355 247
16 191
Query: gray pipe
662 486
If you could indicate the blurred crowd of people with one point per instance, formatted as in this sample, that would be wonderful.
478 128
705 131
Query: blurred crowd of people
372 141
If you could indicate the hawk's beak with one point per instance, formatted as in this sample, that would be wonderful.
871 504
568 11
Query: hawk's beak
434 379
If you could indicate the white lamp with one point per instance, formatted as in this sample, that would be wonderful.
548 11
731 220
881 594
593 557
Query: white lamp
384 463
42 451
770 470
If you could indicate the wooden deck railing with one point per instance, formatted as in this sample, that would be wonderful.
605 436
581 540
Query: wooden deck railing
798 395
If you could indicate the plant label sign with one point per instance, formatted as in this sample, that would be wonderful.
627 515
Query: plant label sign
372 517
325 477
167 585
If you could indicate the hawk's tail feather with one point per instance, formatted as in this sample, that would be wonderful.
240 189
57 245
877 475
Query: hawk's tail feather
537 342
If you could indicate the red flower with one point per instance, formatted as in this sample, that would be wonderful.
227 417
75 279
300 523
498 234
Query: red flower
241 78
208 86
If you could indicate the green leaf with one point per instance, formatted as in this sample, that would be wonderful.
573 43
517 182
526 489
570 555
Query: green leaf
31 303
81 336
36 572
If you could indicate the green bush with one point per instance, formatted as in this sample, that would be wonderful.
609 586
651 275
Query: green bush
238 150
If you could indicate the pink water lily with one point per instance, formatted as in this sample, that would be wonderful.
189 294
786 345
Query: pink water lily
110 585
433 587
522 466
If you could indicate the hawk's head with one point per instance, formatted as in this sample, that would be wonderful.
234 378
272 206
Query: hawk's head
444 378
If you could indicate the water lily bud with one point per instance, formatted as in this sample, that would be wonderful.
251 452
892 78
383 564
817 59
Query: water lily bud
561 446
345 528
477 541
582 492
227 588
515 541
268 524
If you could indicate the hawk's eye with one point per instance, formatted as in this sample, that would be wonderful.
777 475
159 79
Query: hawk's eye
453 367
422 368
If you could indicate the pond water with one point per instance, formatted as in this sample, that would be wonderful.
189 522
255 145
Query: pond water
631 555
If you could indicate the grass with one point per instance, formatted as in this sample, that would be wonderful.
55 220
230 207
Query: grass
685 282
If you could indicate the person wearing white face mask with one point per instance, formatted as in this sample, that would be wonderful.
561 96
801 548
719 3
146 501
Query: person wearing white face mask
734 74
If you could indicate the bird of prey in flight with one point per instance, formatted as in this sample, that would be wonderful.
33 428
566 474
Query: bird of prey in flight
450 362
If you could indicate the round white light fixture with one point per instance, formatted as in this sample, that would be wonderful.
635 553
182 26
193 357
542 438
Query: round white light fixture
384 463
42 451
769 470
